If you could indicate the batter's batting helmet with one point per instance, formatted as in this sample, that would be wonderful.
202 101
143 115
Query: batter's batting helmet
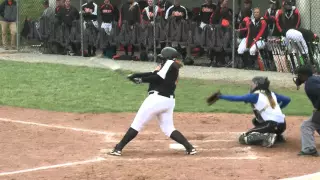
170 53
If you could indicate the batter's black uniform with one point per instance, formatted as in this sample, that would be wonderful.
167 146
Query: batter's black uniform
160 102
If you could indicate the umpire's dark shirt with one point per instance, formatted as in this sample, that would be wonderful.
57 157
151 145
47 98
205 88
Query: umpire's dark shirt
312 89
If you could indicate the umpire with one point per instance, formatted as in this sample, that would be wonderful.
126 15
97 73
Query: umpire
308 127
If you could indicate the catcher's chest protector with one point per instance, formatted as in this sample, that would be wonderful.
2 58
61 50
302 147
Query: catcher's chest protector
263 110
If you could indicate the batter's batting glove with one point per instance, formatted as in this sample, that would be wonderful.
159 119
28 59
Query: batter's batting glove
213 98
137 80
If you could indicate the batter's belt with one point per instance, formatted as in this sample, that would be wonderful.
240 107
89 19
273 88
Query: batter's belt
161 94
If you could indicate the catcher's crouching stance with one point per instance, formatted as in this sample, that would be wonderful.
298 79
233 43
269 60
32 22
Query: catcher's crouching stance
160 102
269 122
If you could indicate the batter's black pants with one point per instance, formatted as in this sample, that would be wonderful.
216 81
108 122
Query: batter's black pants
268 127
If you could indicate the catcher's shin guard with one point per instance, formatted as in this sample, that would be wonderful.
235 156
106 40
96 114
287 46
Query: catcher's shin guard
255 138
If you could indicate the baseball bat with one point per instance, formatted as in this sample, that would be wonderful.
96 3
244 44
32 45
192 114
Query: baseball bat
304 52
260 60
108 63
276 59
300 53
282 58
300 62
276 48
289 60
314 55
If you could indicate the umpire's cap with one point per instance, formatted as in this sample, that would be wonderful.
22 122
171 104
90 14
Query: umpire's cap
304 70
169 53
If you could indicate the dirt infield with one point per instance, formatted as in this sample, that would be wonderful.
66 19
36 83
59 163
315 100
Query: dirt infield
51 145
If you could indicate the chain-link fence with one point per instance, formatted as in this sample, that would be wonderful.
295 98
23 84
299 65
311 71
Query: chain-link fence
221 42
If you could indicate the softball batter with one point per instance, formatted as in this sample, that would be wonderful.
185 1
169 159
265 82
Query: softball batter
159 103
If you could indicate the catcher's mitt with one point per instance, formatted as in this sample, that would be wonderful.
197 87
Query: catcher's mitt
213 98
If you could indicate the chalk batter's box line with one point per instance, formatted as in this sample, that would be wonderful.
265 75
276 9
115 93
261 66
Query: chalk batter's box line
112 159
99 132
169 140
238 150
116 159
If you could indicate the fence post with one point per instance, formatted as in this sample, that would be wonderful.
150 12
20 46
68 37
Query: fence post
18 25
154 31
82 28
233 33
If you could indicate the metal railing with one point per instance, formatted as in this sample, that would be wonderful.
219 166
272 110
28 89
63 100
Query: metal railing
30 11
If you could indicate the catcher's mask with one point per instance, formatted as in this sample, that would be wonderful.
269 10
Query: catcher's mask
302 74
260 83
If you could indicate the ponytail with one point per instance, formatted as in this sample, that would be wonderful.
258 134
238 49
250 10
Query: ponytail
270 98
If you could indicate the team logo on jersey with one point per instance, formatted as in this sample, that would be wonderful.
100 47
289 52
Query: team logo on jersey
177 13
107 11
88 10
206 9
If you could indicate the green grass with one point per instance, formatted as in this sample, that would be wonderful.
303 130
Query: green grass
82 89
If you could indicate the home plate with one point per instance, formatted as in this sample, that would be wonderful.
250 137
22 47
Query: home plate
178 146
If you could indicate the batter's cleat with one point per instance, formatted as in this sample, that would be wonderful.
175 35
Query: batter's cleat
191 152
115 152
270 140
312 152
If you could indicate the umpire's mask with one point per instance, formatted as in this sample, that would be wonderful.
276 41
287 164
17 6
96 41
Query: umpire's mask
303 73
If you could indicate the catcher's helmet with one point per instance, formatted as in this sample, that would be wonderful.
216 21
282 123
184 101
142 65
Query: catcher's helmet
262 83
169 53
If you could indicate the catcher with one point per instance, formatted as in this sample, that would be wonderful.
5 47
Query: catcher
269 122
